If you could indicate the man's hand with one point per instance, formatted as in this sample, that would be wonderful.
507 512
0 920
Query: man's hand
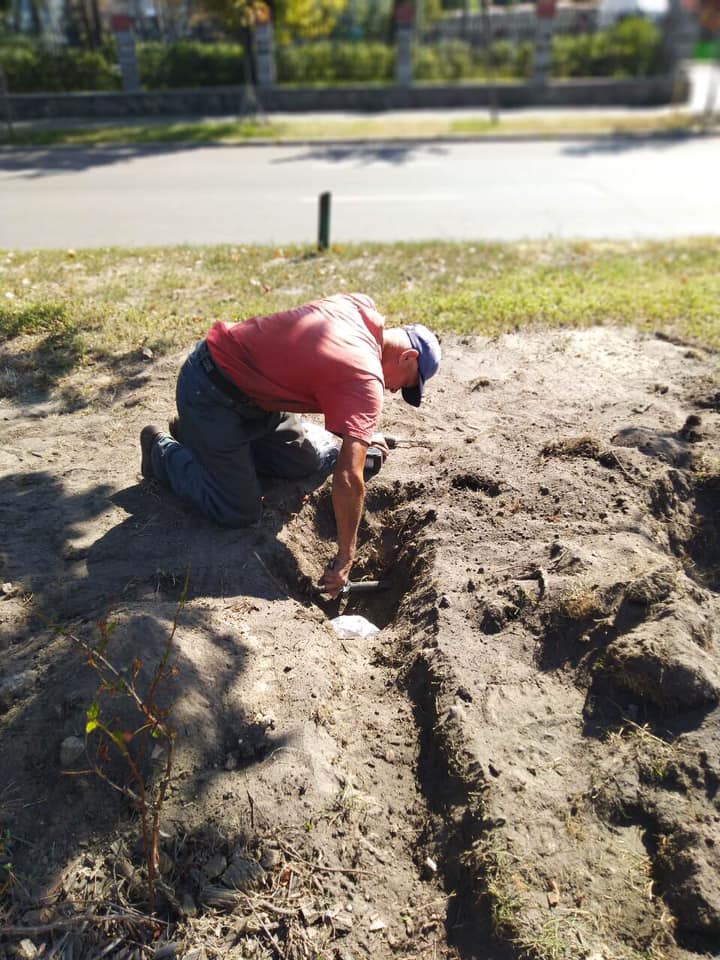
336 575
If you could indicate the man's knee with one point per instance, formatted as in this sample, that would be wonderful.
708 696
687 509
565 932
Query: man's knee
290 461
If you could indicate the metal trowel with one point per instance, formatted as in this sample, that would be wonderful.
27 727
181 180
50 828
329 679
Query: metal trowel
354 588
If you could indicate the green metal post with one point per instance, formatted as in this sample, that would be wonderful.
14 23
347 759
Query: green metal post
324 221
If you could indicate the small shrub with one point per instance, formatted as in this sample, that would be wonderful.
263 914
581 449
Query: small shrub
141 686
631 48
190 64
32 68
363 62
307 64
324 62
448 62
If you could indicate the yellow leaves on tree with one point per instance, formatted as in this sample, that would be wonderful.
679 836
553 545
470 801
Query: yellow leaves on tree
309 19
237 15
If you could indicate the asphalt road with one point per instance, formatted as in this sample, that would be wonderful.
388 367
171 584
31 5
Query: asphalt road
130 196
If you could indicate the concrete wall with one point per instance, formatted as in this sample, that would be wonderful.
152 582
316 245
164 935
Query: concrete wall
226 101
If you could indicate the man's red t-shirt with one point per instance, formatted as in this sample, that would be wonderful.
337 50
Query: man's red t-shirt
324 357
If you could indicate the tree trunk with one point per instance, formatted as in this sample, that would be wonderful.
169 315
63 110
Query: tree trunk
96 22
80 15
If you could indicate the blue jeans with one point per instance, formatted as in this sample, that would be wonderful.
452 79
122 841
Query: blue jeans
225 443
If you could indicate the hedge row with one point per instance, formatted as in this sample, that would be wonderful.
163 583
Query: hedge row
631 48
31 69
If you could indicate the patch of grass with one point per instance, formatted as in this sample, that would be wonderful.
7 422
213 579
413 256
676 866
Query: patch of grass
107 305
230 130
578 124
580 601
574 928
33 316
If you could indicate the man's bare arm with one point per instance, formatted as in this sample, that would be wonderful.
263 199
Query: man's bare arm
348 495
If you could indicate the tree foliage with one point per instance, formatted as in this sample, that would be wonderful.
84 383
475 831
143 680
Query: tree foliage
308 19
238 16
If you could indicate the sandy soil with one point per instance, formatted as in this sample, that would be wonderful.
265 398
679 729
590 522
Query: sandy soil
524 761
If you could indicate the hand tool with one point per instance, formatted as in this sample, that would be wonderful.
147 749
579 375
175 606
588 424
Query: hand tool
393 442
364 586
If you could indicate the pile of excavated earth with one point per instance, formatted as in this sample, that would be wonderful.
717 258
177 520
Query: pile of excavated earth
522 762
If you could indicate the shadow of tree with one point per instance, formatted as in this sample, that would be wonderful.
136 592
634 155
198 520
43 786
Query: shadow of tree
364 153
29 373
35 370
624 143
33 163
38 162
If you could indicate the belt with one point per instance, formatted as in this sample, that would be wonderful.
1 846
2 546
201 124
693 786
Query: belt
221 381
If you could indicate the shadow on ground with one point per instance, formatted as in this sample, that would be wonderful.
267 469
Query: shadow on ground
75 559
392 154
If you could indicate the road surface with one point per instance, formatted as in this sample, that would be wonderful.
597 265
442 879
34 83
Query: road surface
133 196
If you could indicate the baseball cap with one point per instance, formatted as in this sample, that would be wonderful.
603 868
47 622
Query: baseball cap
428 348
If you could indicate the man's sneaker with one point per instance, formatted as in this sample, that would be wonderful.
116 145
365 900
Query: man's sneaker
175 429
148 436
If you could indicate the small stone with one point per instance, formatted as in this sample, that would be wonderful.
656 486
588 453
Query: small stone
271 858
188 907
243 874
429 867
390 756
166 951
231 761
71 749
14 687
7 589
33 917
376 925
341 920
26 950
309 915
215 866
147 353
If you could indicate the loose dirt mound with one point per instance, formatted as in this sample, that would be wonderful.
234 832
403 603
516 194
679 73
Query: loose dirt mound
523 761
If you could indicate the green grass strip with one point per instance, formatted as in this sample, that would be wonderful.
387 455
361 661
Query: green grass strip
102 308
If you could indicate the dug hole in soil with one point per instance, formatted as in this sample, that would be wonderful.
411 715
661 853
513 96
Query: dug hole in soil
522 762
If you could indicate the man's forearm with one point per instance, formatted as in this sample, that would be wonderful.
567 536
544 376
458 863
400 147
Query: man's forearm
348 495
